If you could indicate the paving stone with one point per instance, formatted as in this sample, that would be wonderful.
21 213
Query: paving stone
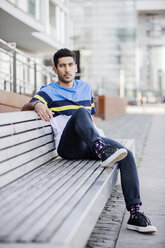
134 126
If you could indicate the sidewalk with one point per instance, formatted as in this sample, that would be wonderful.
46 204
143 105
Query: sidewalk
147 126
152 181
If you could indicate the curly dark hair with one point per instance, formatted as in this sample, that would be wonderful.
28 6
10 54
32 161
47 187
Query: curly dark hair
64 52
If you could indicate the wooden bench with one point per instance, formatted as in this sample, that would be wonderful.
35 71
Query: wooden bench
47 201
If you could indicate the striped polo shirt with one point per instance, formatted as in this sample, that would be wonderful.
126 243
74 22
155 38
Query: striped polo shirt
65 101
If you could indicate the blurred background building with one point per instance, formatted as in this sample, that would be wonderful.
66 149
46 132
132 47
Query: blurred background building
37 28
150 57
122 46
105 35
119 44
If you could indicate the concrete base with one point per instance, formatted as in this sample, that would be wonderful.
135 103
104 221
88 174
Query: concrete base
12 102
110 106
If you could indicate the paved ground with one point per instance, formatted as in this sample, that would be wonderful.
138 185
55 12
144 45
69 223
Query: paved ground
141 124
152 180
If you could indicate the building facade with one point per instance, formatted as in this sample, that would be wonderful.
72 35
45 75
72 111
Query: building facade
105 33
151 48
122 45
38 28
35 26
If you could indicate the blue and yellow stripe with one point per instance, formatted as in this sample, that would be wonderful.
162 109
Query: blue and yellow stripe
61 105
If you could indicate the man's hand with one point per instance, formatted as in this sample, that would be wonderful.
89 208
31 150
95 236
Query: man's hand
44 113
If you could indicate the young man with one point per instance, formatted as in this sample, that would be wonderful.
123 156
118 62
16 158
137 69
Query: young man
68 105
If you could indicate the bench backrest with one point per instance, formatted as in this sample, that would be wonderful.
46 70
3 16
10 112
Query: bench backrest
26 142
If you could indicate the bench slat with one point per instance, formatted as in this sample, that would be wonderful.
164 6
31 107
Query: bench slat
13 151
12 194
43 188
15 162
73 199
15 117
19 172
79 224
23 137
25 183
42 203
12 129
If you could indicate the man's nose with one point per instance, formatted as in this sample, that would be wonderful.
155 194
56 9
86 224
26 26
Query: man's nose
67 68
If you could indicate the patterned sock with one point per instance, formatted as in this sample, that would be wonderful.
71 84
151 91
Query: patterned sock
134 209
98 146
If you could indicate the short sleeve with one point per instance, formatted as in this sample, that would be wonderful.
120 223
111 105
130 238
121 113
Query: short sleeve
42 96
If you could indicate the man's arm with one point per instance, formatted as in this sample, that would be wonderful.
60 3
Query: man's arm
28 106
42 110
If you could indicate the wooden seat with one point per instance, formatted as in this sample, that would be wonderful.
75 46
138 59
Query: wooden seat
45 200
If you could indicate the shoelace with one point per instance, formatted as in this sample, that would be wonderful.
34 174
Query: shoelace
142 217
110 148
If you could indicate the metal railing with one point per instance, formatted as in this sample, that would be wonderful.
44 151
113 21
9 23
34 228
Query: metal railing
20 73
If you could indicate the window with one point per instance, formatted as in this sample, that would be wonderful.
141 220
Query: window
32 7
52 14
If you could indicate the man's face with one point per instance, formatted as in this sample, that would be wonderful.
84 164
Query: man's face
66 69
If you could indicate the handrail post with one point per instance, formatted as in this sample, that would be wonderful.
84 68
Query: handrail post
5 85
14 72
35 78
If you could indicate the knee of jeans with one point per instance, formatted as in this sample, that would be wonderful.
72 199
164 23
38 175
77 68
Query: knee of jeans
82 111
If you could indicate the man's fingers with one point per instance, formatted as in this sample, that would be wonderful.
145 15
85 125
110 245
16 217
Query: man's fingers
50 113
45 116
42 116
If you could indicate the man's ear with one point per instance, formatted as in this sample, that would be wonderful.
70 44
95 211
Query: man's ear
55 69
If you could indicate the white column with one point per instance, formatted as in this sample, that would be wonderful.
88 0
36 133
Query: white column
44 15
122 90
38 7
58 22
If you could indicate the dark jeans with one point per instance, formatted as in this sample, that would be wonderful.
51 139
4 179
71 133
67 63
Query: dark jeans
76 142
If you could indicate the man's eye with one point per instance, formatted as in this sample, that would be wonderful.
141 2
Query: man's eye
61 65
70 64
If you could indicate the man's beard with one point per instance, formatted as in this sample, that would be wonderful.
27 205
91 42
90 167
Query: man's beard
66 81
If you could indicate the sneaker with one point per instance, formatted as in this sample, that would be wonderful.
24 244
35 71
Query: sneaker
140 223
108 154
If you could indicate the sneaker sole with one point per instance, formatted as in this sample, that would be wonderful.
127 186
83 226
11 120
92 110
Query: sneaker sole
116 157
147 229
